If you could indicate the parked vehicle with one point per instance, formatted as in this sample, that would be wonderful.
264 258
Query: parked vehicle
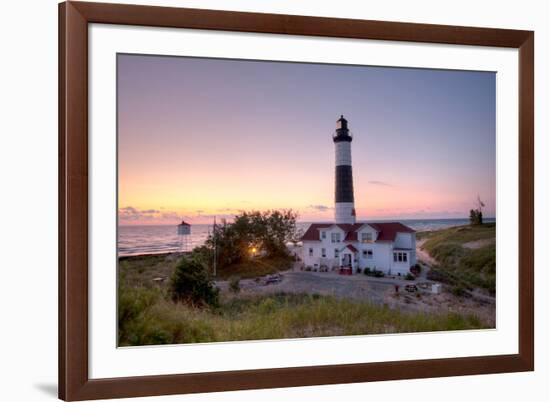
273 279
411 288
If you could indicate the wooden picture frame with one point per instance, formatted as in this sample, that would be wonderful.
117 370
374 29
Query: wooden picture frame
74 381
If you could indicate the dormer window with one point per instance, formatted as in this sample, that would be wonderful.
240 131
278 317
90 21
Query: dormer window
366 237
323 235
335 237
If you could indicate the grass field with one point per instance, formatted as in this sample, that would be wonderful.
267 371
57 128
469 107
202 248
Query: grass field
256 267
466 256
142 270
146 317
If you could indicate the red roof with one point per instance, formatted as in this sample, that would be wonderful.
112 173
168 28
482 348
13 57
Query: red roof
349 246
387 231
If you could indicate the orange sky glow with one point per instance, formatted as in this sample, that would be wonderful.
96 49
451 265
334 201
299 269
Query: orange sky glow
200 138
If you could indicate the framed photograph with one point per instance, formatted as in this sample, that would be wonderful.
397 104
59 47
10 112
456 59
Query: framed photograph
259 200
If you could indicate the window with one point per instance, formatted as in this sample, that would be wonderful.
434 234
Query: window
366 237
311 252
323 252
335 237
323 235
336 253
399 257
368 254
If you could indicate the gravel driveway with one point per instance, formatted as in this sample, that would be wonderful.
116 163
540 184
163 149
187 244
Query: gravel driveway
358 287
380 291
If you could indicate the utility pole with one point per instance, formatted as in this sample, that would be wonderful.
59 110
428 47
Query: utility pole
215 247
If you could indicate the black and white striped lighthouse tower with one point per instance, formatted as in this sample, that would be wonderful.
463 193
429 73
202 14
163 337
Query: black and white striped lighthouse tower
344 211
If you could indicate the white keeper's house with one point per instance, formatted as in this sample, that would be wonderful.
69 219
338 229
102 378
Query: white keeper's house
349 245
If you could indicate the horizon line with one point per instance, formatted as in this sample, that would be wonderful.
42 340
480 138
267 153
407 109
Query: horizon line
298 221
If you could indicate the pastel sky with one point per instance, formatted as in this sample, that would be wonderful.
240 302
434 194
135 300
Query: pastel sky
199 138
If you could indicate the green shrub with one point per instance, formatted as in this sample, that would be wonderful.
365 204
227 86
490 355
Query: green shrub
459 291
416 269
234 284
438 275
191 284
377 274
409 277
367 271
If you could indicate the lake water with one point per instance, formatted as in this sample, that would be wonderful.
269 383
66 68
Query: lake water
151 239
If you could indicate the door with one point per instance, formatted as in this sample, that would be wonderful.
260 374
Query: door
347 260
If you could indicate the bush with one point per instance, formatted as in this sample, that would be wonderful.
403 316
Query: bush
265 232
416 269
438 275
235 284
373 272
191 284
459 291
409 277
476 217
377 274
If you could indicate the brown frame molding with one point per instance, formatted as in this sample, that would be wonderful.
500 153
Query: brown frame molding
74 17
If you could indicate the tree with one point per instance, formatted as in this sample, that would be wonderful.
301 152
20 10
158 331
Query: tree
266 232
476 215
192 284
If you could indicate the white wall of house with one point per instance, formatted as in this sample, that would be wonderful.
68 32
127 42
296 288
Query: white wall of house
324 252
404 240
374 255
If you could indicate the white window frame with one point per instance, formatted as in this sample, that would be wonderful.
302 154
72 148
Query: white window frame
310 251
324 253
400 256
366 237
335 237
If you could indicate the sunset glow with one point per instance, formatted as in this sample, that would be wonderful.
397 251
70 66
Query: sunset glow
200 138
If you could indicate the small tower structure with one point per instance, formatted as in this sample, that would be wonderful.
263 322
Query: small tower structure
184 230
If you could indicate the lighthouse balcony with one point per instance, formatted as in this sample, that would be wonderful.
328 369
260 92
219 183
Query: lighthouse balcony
342 136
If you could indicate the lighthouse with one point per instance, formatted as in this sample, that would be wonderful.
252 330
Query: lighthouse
344 211
350 246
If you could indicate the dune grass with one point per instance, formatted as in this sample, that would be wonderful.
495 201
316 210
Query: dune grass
461 266
146 317
256 267
142 270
